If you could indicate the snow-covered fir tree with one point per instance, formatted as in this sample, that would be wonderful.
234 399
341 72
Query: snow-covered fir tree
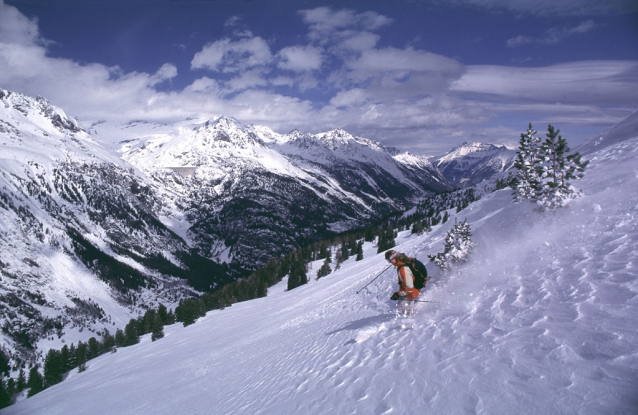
559 167
458 244
529 166
544 170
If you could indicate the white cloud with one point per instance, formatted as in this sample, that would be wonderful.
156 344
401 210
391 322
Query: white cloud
246 80
233 21
300 58
350 98
17 29
554 35
166 72
392 75
203 85
588 82
393 59
360 41
228 55
346 27
324 21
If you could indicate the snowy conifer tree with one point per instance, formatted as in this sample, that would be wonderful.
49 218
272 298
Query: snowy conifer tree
558 169
158 328
545 169
458 244
529 166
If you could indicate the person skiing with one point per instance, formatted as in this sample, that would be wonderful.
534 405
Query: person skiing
406 279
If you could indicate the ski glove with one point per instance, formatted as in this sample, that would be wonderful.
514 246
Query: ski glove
395 296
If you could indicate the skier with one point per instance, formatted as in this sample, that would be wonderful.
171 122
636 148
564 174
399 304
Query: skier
406 279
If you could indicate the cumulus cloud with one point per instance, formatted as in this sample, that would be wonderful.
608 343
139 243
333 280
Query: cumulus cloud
17 29
229 55
300 58
554 35
360 41
326 23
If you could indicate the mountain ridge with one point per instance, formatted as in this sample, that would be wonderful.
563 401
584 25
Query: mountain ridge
177 211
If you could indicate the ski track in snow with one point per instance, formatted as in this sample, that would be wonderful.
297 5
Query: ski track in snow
542 320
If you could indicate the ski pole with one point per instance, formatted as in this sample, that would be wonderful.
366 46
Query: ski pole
420 301
374 279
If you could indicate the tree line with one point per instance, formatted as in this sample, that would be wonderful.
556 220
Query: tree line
58 363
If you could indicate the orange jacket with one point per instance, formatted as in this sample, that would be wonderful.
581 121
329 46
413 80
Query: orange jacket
406 282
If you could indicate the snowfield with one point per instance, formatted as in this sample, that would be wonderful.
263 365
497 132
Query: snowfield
542 320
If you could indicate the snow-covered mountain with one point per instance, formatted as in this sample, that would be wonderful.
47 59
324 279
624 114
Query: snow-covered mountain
541 320
251 193
89 239
81 243
471 163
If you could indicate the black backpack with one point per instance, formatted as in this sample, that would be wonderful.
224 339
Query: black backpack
420 274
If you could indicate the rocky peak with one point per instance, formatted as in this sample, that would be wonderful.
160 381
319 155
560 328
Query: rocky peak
226 131
30 107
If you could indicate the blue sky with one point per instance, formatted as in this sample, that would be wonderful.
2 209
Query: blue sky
420 75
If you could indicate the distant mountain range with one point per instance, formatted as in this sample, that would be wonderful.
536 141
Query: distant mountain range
473 162
89 237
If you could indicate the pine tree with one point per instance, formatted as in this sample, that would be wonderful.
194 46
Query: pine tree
345 252
544 170
73 357
53 369
108 342
130 333
5 396
188 311
5 367
298 275
149 319
93 349
359 251
11 389
529 166
35 383
158 328
81 356
324 270
163 313
21 384
386 240
120 339
458 244
65 359
558 169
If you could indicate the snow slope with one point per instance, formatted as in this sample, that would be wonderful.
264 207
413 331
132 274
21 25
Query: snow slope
542 320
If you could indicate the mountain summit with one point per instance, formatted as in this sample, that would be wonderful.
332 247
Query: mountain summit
471 163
